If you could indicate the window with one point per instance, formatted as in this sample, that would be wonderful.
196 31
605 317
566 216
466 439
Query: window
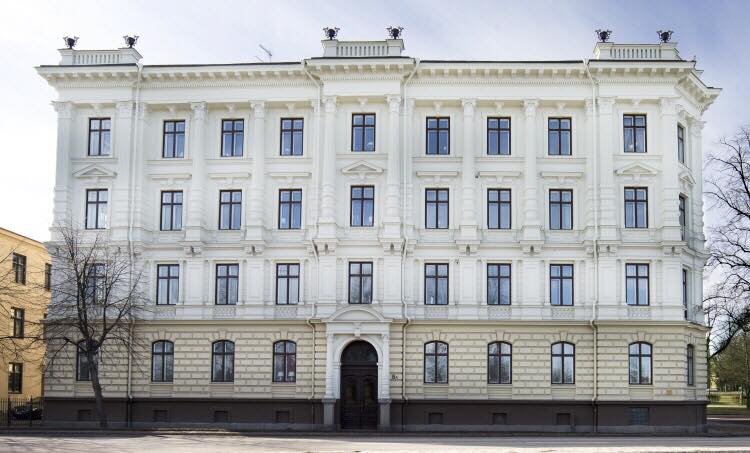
685 293
498 209
680 143
498 136
636 284
19 268
99 136
639 416
287 284
634 130
436 362
563 363
232 133
690 365
558 136
167 284
639 354
561 284
438 135
17 316
498 284
83 368
292 130
360 283
683 217
15 378
561 209
230 209
499 363
284 361
47 276
636 207
436 208
222 363
96 209
173 143
290 209
171 210
227 283
436 284
362 206
363 132
162 361
96 283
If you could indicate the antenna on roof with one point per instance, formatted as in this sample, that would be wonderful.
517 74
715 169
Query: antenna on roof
268 52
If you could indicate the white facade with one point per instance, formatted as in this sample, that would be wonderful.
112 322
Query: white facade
401 92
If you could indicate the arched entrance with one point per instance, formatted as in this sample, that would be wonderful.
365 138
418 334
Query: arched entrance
359 386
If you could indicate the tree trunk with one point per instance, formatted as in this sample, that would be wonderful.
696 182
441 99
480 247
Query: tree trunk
100 411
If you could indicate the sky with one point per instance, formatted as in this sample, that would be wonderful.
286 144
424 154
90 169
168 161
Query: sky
188 31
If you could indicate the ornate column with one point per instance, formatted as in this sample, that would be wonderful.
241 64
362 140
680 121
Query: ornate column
329 399
670 179
384 391
122 148
590 207
392 217
61 210
142 124
531 223
607 139
407 160
255 215
327 221
696 163
468 225
195 225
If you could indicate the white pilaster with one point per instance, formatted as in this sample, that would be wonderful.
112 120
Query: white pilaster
531 222
195 215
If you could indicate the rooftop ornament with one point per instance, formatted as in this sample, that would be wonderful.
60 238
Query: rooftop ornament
395 32
331 33
130 40
603 35
70 42
665 35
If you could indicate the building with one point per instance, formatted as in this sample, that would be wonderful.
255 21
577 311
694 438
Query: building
24 295
366 239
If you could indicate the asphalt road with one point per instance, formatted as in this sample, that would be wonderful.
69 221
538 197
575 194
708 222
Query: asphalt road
221 443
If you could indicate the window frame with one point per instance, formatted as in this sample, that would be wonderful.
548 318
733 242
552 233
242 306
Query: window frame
559 131
234 132
437 129
635 202
19 265
291 131
437 279
47 276
634 130
437 202
18 321
562 278
361 275
685 292
361 200
680 143
682 216
96 278
100 211
227 278
80 366
498 205
172 206
287 279
167 281
15 378
100 131
225 356
174 133
291 206
562 356
640 355
639 280
500 356
561 204
499 277
690 353
436 354
499 130
162 356
362 132
231 205
284 357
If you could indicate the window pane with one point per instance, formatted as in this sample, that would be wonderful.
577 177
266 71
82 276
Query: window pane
369 139
505 370
442 368
565 143
443 142
431 220
494 369
430 291
293 290
297 150
567 217
366 290
442 291
557 370
643 292
432 146
357 139
505 291
567 292
429 369
640 140
554 143
492 291
442 215
569 378
492 142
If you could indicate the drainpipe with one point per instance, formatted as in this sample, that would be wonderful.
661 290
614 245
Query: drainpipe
592 321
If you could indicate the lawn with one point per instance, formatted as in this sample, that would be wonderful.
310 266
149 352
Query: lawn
727 409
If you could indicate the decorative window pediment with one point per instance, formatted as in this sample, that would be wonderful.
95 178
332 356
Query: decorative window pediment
96 172
362 169
636 169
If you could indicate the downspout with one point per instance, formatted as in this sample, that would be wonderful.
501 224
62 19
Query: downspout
592 321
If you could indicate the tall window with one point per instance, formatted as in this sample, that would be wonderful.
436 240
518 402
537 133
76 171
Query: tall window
287 284
436 362
498 209
680 143
96 283
683 217
685 293
561 284
83 368
639 354
227 284
96 209
558 136
290 209
636 284
436 208
17 317
15 378
230 209
363 132
498 284
284 361
634 130
162 361
690 365
362 206
167 284
171 210
636 207
19 268
561 209
438 135
360 283
47 276
563 363
222 361
232 133
173 142
498 136
292 130
99 136
436 284
499 355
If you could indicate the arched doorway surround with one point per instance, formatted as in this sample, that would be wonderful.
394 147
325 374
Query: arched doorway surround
359 386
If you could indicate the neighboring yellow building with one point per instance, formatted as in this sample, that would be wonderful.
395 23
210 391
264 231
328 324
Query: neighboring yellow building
24 296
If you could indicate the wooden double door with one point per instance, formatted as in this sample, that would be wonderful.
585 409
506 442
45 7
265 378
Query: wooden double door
359 387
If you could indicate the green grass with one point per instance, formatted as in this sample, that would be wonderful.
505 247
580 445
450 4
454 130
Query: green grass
727 409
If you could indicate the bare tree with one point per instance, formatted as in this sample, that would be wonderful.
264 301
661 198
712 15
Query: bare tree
728 188
96 302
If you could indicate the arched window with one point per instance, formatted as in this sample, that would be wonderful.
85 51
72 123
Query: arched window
162 361
690 365
563 363
83 370
222 363
499 361
436 362
284 361
640 363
